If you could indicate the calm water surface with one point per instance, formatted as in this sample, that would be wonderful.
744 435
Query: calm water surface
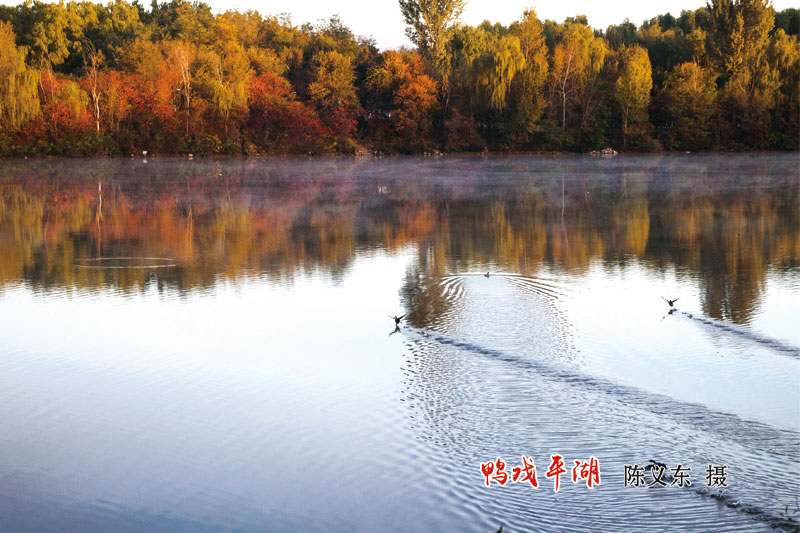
205 345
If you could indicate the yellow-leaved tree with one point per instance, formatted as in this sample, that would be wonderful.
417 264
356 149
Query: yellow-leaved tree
689 96
632 87
19 98
578 60
527 88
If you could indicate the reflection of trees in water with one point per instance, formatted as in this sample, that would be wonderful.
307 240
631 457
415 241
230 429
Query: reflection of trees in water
423 294
728 244
225 219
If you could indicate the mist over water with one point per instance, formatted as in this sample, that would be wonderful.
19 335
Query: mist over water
205 345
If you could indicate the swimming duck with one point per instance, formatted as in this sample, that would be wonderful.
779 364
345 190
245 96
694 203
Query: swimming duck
486 275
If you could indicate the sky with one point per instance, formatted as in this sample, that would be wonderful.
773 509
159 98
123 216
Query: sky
381 19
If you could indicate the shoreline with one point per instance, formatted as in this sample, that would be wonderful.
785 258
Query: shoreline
379 155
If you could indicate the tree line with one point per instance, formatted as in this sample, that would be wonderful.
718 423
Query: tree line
80 78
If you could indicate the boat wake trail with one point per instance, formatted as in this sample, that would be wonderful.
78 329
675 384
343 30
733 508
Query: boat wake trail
775 520
745 432
722 429
774 344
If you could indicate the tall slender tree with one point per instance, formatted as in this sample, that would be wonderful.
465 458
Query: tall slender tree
632 87
430 27
528 85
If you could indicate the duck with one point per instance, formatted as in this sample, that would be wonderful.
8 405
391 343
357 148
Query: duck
397 319
670 302
655 464
661 471
486 275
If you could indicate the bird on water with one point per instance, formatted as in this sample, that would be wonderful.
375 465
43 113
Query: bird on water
655 464
658 470
397 319
486 275
670 302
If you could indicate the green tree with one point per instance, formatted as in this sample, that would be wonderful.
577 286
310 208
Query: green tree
54 33
118 24
621 35
788 20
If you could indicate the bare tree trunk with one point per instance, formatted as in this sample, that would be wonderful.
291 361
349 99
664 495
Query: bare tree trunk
96 100
625 129
187 88
93 58
183 63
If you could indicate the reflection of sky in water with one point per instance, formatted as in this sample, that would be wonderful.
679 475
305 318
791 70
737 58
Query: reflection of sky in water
153 401
254 384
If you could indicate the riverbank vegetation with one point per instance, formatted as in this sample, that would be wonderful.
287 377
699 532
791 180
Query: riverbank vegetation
80 78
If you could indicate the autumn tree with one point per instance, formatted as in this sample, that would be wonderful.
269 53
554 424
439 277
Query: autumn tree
64 121
430 28
783 54
180 61
737 45
689 99
495 69
415 101
738 33
278 122
178 77
92 59
224 77
578 60
116 90
332 90
528 86
19 99
403 97
155 91
632 87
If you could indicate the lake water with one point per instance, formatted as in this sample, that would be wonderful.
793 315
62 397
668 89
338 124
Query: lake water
206 345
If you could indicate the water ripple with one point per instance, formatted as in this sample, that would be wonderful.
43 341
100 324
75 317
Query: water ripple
774 344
